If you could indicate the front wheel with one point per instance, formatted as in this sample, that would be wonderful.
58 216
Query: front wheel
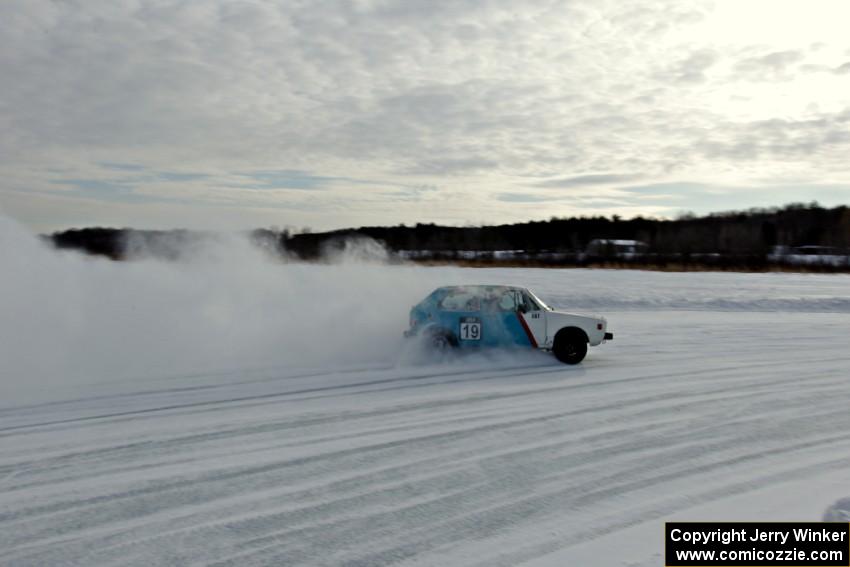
570 350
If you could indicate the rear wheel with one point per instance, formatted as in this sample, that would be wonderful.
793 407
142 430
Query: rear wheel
570 348
441 341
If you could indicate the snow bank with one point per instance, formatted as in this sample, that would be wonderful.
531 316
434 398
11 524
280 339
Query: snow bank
638 290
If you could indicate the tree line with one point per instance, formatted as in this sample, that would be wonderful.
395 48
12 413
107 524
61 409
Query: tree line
725 239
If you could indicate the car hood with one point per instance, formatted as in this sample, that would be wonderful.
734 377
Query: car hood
558 312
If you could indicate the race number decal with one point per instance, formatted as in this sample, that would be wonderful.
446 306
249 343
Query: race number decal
470 328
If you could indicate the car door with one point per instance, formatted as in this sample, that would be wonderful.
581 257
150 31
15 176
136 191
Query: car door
503 324
533 318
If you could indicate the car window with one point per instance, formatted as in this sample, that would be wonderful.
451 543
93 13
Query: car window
508 301
539 302
460 301
529 303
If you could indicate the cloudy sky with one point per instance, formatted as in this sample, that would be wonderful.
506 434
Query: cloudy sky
237 114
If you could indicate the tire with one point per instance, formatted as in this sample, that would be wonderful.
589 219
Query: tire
570 348
441 341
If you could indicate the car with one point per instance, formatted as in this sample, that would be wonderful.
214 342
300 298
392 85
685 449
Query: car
478 316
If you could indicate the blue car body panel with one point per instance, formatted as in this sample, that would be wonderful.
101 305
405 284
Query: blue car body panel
496 328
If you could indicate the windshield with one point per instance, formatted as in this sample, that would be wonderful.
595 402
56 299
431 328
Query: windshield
539 301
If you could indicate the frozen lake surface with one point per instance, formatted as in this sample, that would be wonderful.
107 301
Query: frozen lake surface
722 397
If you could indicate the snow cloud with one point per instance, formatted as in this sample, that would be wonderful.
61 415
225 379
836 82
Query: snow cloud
70 320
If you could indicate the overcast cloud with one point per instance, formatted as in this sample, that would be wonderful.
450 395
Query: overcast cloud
234 114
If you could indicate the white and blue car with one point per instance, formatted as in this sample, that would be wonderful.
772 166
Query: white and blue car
479 316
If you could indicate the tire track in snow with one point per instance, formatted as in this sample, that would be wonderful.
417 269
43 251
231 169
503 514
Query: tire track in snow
420 471
177 442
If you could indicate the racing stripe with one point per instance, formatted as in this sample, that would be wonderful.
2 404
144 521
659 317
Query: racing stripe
527 330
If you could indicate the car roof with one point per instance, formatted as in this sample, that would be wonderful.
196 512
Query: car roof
479 288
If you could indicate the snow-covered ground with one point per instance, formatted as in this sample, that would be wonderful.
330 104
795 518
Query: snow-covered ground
722 397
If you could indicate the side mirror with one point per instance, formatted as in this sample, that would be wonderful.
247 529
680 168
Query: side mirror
522 308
